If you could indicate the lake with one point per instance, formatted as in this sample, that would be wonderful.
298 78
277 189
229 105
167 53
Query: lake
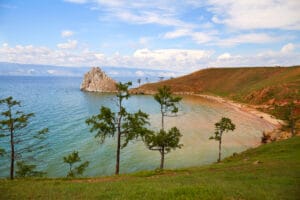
59 105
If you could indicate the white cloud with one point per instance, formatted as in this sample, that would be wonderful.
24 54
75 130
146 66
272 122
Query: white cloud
287 51
262 14
202 37
199 37
150 17
165 12
67 33
167 59
71 44
283 57
213 37
224 56
255 38
179 59
288 48
77 1
111 3
244 16
99 55
180 55
177 33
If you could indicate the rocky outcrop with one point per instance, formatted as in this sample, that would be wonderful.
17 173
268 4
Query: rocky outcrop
97 81
275 135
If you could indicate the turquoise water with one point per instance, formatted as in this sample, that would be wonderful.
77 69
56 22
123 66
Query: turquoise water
59 105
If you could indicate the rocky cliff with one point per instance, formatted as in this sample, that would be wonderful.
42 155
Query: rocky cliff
97 81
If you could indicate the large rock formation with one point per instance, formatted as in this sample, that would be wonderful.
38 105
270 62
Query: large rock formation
97 81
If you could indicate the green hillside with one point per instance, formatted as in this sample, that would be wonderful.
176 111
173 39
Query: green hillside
271 171
255 85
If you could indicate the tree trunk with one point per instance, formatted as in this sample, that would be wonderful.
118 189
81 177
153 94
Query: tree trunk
12 156
162 159
162 118
118 152
220 149
119 138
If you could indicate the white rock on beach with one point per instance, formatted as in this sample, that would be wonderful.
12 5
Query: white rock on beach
96 80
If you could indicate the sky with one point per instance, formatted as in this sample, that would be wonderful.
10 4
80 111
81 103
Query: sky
179 35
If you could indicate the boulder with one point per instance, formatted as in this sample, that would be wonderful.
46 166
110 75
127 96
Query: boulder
96 80
275 135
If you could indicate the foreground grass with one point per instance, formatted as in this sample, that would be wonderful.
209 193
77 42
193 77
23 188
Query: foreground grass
271 171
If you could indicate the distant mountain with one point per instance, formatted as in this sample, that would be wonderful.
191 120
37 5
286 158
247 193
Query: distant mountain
16 69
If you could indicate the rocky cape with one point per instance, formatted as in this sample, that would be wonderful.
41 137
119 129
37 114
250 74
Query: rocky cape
96 80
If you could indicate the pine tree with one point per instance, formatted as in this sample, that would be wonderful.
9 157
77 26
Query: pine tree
223 126
164 141
12 124
73 158
120 124
168 103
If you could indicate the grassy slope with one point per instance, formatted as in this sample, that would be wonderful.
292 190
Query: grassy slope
276 177
252 85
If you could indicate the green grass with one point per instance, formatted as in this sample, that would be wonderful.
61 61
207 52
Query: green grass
276 176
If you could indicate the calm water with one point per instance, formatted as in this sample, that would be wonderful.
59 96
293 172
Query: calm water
63 108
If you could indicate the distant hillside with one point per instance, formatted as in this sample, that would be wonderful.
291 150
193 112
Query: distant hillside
255 85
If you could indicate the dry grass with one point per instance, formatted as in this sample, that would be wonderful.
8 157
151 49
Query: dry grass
256 85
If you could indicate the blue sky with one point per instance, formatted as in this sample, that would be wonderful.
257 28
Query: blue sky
167 34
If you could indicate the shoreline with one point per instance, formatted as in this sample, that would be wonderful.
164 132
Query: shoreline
245 108
248 108
275 132
270 135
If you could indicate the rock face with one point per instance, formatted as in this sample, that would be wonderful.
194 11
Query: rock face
97 81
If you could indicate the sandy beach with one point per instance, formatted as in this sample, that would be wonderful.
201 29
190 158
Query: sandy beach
246 108
235 105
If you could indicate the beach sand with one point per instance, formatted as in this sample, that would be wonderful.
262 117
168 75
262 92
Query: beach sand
246 108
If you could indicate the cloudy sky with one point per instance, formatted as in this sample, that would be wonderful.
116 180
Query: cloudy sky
180 35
